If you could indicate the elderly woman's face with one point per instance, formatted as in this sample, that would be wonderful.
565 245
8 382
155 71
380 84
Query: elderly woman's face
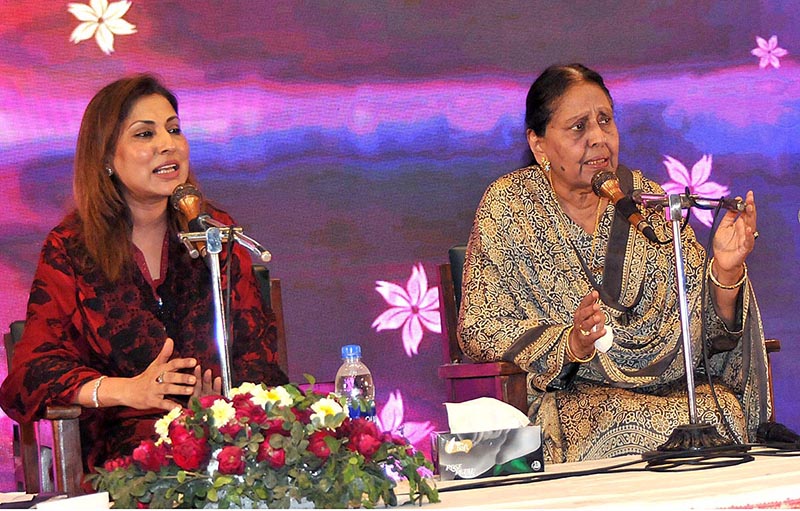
581 138
152 155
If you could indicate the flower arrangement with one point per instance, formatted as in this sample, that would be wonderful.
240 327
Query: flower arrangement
266 447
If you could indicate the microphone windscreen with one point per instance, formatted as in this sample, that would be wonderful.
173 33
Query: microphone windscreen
181 192
599 179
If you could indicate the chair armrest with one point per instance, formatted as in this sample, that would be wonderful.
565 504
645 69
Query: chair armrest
55 413
67 455
772 345
477 370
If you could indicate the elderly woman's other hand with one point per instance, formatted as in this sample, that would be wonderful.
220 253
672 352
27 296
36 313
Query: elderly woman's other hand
733 241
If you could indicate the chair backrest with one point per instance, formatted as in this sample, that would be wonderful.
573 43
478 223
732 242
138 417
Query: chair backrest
457 254
450 278
26 437
273 298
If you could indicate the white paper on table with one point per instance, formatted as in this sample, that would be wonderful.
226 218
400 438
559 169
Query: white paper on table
15 496
98 500
483 414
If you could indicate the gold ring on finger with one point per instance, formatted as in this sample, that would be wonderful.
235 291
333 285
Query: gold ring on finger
160 378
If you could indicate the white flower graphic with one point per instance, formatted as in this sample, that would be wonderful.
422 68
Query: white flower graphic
697 181
768 52
413 308
101 20
390 420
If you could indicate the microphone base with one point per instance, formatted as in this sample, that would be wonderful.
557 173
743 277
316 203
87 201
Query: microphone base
689 440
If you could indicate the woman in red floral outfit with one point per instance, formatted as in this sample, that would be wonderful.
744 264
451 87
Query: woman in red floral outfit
120 317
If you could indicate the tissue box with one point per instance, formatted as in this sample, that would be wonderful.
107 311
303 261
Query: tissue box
488 453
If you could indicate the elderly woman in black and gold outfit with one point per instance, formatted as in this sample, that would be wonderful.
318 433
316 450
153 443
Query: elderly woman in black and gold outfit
543 251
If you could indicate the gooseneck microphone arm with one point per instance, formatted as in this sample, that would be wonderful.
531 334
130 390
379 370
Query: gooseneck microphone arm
187 199
660 201
241 238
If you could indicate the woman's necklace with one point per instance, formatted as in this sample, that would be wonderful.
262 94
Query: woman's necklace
600 266
601 208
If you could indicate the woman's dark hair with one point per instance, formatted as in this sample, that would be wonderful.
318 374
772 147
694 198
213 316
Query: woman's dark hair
105 217
548 89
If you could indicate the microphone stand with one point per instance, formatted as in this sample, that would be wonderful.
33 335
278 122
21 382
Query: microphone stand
214 236
695 437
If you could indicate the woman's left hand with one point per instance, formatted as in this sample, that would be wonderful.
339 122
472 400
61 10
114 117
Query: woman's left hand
207 385
734 240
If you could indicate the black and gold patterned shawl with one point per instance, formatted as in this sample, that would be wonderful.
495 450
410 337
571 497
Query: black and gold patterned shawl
523 280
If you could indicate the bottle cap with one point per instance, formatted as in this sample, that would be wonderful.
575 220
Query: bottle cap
351 351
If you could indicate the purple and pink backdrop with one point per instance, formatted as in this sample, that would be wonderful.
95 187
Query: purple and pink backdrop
355 139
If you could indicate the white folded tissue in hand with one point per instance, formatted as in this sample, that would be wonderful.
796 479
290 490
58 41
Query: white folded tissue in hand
483 414
604 343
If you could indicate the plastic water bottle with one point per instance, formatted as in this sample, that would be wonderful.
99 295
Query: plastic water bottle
354 382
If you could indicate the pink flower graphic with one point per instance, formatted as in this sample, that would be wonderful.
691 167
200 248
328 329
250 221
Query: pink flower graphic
697 181
412 308
390 420
768 52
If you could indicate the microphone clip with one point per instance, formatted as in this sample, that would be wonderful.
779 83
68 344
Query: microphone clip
660 201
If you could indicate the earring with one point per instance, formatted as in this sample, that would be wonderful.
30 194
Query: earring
545 164
109 171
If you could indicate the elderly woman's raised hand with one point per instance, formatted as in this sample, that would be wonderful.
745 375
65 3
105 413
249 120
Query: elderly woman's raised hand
733 241
588 325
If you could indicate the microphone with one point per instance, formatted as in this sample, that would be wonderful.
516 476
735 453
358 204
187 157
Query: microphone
187 199
605 184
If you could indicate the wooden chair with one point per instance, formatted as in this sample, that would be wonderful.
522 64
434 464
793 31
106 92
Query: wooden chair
66 449
467 379
501 380
67 470
271 294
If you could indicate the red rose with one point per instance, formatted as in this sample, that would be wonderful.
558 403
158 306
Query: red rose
364 438
188 451
232 428
231 460
178 433
124 461
207 401
149 456
272 426
304 417
317 445
246 409
275 457
394 439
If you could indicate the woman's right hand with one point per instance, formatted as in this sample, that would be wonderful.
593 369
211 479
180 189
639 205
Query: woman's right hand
163 377
588 325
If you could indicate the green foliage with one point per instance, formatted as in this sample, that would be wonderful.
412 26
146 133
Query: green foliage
296 446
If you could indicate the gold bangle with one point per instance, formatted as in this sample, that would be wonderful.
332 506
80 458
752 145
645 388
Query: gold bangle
571 356
95 390
721 285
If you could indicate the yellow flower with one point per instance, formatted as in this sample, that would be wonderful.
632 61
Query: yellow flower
222 412
244 388
162 425
325 407
278 396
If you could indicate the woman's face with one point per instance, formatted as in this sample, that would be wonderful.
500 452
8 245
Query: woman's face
581 138
152 155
